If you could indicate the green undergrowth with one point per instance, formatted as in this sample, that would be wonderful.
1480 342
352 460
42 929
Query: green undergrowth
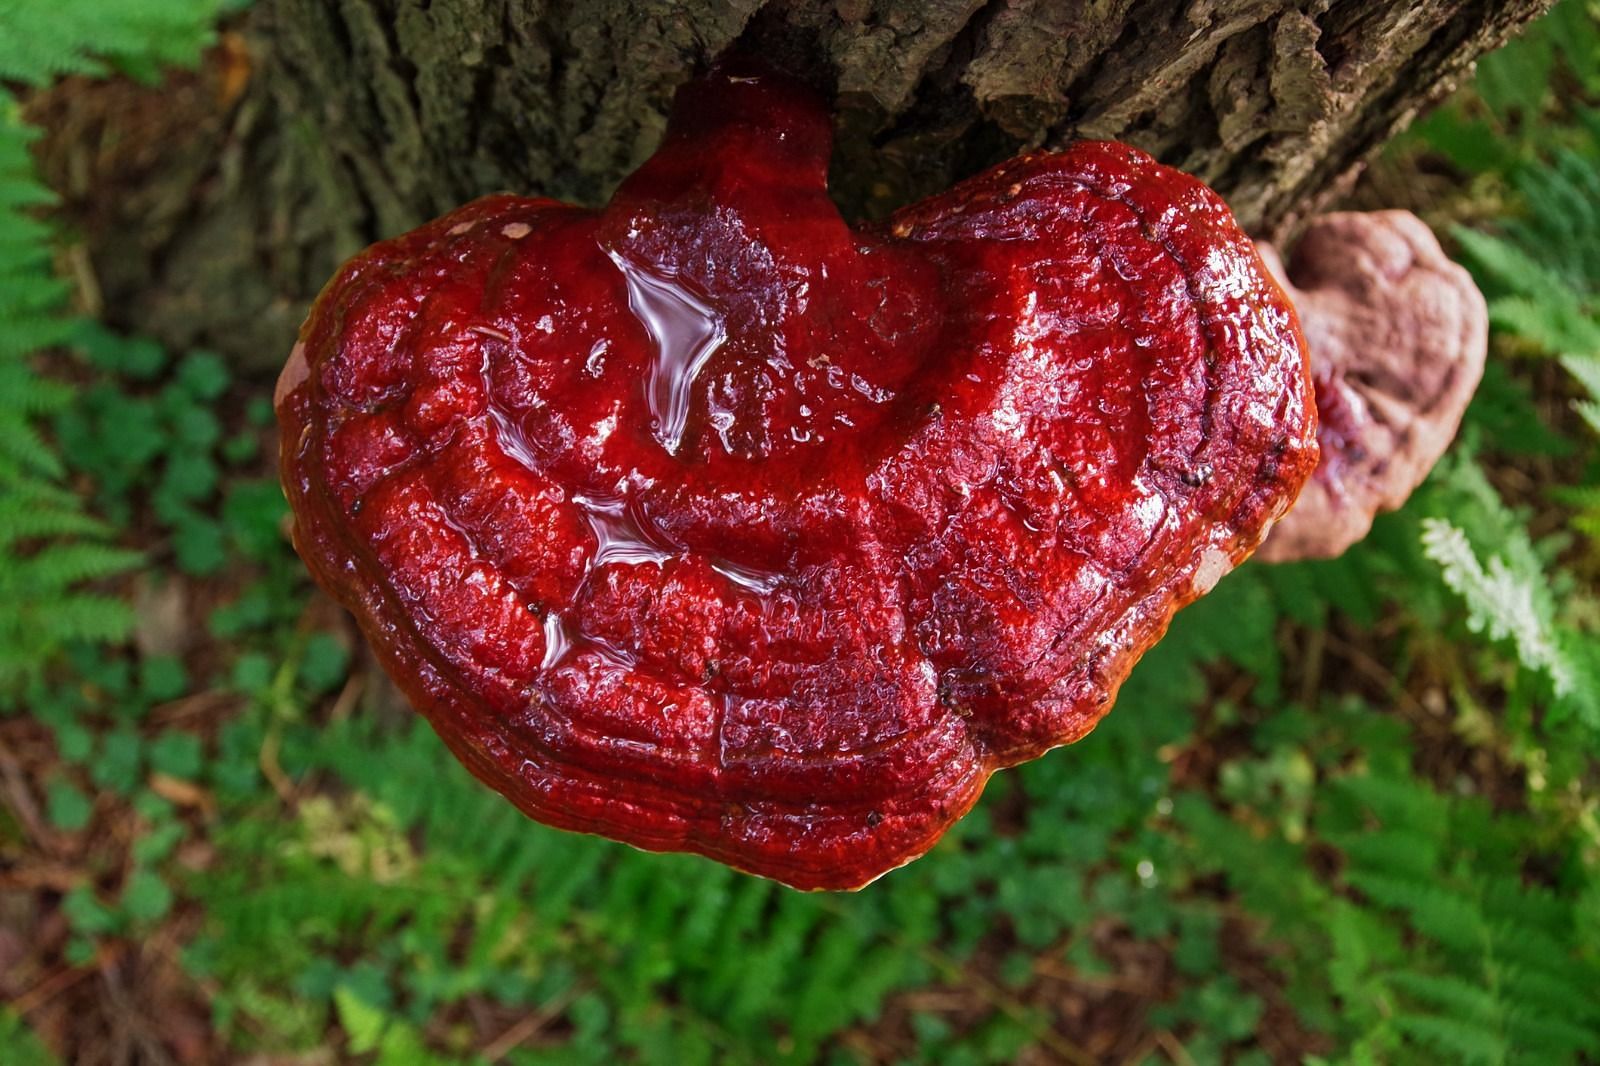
1348 807
51 546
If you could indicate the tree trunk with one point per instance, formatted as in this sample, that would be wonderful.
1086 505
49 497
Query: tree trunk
362 118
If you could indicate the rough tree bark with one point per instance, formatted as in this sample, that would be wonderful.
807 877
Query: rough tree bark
362 118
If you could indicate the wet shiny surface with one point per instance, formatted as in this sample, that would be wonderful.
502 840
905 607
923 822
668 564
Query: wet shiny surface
707 523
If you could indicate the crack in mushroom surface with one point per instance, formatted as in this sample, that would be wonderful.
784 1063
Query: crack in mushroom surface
1397 335
706 522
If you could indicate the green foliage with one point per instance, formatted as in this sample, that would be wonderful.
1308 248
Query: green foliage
1541 268
22 1047
1505 602
1431 942
149 433
1513 596
1513 108
1356 793
440 891
50 549
42 39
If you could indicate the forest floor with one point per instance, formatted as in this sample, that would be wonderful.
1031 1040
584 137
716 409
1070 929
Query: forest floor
229 840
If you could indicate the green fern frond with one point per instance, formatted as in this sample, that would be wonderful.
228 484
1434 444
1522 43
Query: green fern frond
1553 321
48 521
1506 602
1586 369
1404 805
18 192
24 292
1545 266
35 510
1507 264
1562 993
1459 1039
79 618
61 565
1450 994
28 332
1404 851
26 393
45 606
38 627
23 238
42 39
1580 497
23 450
1549 1037
1437 911
1529 909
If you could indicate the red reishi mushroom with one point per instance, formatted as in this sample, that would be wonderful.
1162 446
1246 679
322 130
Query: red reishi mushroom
1397 335
705 522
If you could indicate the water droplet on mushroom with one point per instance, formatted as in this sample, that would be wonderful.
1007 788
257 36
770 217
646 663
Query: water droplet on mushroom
761 582
557 640
512 441
618 534
685 330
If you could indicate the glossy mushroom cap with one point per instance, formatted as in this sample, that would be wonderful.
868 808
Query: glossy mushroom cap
708 523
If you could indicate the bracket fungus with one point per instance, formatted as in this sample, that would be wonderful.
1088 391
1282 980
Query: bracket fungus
709 523
1397 335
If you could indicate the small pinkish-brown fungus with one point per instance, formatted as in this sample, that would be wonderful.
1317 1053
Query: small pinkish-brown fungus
1397 334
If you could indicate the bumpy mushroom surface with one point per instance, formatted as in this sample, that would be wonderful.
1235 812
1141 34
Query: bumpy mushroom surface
1397 334
708 523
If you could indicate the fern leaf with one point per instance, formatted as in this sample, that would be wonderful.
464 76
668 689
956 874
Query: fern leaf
1454 996
1553 320
1506 604
25 292
41 39
85 617
59 566
1406 805
1586 368
1458 1038
20 192
23 449
1403 851
1507 263
1447 917
1547 995
28 333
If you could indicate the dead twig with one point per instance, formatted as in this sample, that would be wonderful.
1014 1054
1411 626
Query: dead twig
48 875
525 1030
1175 1051
354 685
20 800
199 703
48 988
272 769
